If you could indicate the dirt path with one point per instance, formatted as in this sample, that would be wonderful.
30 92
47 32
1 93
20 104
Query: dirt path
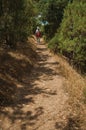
41 101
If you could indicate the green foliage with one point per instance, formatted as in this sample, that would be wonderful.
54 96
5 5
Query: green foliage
71 35
52 11
16 20
53 44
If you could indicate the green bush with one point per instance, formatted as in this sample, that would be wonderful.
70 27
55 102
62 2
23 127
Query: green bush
16 20
71 35
52 12
53 44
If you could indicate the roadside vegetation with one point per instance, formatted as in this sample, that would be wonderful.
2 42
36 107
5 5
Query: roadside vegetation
70 38
16 21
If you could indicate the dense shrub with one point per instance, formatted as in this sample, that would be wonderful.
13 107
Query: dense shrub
71 35
15 20
52 12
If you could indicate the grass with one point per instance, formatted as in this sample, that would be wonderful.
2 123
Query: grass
76 88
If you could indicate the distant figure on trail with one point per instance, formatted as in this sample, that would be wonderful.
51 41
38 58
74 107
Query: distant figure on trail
38 34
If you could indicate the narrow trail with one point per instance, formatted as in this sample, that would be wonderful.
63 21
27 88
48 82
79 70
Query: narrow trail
41 103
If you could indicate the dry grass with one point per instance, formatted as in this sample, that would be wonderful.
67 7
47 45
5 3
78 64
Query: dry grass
75 85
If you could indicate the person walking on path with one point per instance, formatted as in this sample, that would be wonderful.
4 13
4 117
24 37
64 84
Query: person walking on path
38 34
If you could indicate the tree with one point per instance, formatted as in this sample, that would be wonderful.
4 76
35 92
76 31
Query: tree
70 39
16 20
53 13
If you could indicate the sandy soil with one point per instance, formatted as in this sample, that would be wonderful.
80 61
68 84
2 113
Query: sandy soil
41 102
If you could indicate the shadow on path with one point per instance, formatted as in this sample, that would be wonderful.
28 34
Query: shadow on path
26 89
